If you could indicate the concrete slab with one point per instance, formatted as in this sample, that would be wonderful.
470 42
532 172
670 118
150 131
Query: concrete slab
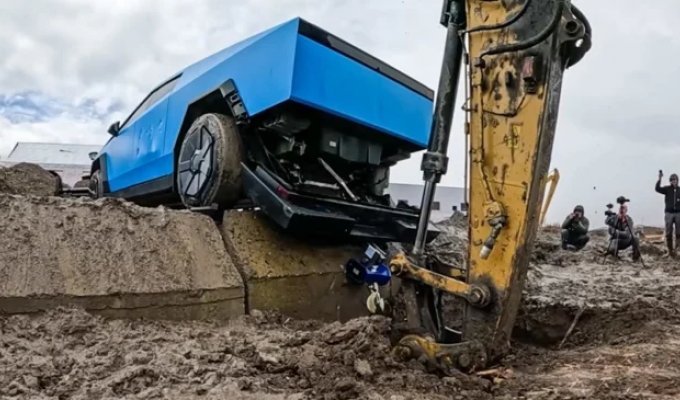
114 258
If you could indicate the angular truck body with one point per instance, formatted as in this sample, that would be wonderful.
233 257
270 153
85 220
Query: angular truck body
294 119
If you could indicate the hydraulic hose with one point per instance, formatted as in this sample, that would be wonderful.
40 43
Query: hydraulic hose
554 22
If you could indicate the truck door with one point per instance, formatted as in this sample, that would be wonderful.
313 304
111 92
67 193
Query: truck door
138 146
150 136
121 157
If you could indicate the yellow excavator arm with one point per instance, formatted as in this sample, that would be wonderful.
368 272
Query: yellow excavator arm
553 179
514 53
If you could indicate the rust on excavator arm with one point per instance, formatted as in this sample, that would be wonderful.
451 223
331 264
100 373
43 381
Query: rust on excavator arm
517 51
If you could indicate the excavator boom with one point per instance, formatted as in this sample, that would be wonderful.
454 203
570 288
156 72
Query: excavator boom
514 53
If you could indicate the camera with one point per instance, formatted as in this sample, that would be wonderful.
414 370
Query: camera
609 211
622 200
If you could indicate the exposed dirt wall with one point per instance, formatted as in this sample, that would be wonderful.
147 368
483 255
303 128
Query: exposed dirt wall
112 256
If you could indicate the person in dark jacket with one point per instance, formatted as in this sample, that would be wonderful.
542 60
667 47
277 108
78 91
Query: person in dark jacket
575 230
621 234
671 195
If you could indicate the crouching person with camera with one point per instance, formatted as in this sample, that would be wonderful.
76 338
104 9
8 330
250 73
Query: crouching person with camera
575 230
621 234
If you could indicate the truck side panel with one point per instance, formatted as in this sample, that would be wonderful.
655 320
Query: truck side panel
261 71
279 65
261 82
334 83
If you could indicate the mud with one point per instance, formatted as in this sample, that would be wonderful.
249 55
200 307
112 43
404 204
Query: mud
624 342
28 179
451 246
624 346
71 354
586 330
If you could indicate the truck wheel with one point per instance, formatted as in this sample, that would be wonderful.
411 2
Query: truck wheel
96 185
209 163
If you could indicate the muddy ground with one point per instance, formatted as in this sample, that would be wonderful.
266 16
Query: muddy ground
28 179
587 330
624 345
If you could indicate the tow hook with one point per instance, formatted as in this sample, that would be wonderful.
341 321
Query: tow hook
370 270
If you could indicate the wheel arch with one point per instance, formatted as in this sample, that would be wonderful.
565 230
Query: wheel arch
225 99
99 164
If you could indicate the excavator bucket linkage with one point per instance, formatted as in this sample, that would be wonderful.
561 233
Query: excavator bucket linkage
517 52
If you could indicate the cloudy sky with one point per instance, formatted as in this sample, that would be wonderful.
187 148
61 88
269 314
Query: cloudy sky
68 68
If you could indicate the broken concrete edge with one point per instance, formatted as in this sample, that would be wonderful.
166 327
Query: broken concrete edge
113 257
199 304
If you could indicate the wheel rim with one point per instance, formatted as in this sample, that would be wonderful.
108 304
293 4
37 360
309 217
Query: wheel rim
195 162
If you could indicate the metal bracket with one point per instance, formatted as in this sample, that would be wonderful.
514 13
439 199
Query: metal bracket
233 98
497 218
465 356
213 211
434 163
451 12
476 295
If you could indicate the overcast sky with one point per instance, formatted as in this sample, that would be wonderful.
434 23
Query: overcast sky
69 68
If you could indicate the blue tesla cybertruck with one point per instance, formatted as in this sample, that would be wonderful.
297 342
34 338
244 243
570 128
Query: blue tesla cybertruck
293 120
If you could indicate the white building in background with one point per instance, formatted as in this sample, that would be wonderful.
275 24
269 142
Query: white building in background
446 198
70 161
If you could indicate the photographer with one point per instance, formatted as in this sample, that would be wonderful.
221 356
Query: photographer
671 210
575 230
620 230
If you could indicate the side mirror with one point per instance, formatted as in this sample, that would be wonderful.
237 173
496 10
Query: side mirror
114 128
92 155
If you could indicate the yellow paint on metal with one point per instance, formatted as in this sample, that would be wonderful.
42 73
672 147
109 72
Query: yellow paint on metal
402 267
506 116
552 179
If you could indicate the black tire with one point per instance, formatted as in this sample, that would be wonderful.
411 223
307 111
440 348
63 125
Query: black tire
209 163
96 185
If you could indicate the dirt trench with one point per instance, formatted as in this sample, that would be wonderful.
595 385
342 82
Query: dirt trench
586 330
